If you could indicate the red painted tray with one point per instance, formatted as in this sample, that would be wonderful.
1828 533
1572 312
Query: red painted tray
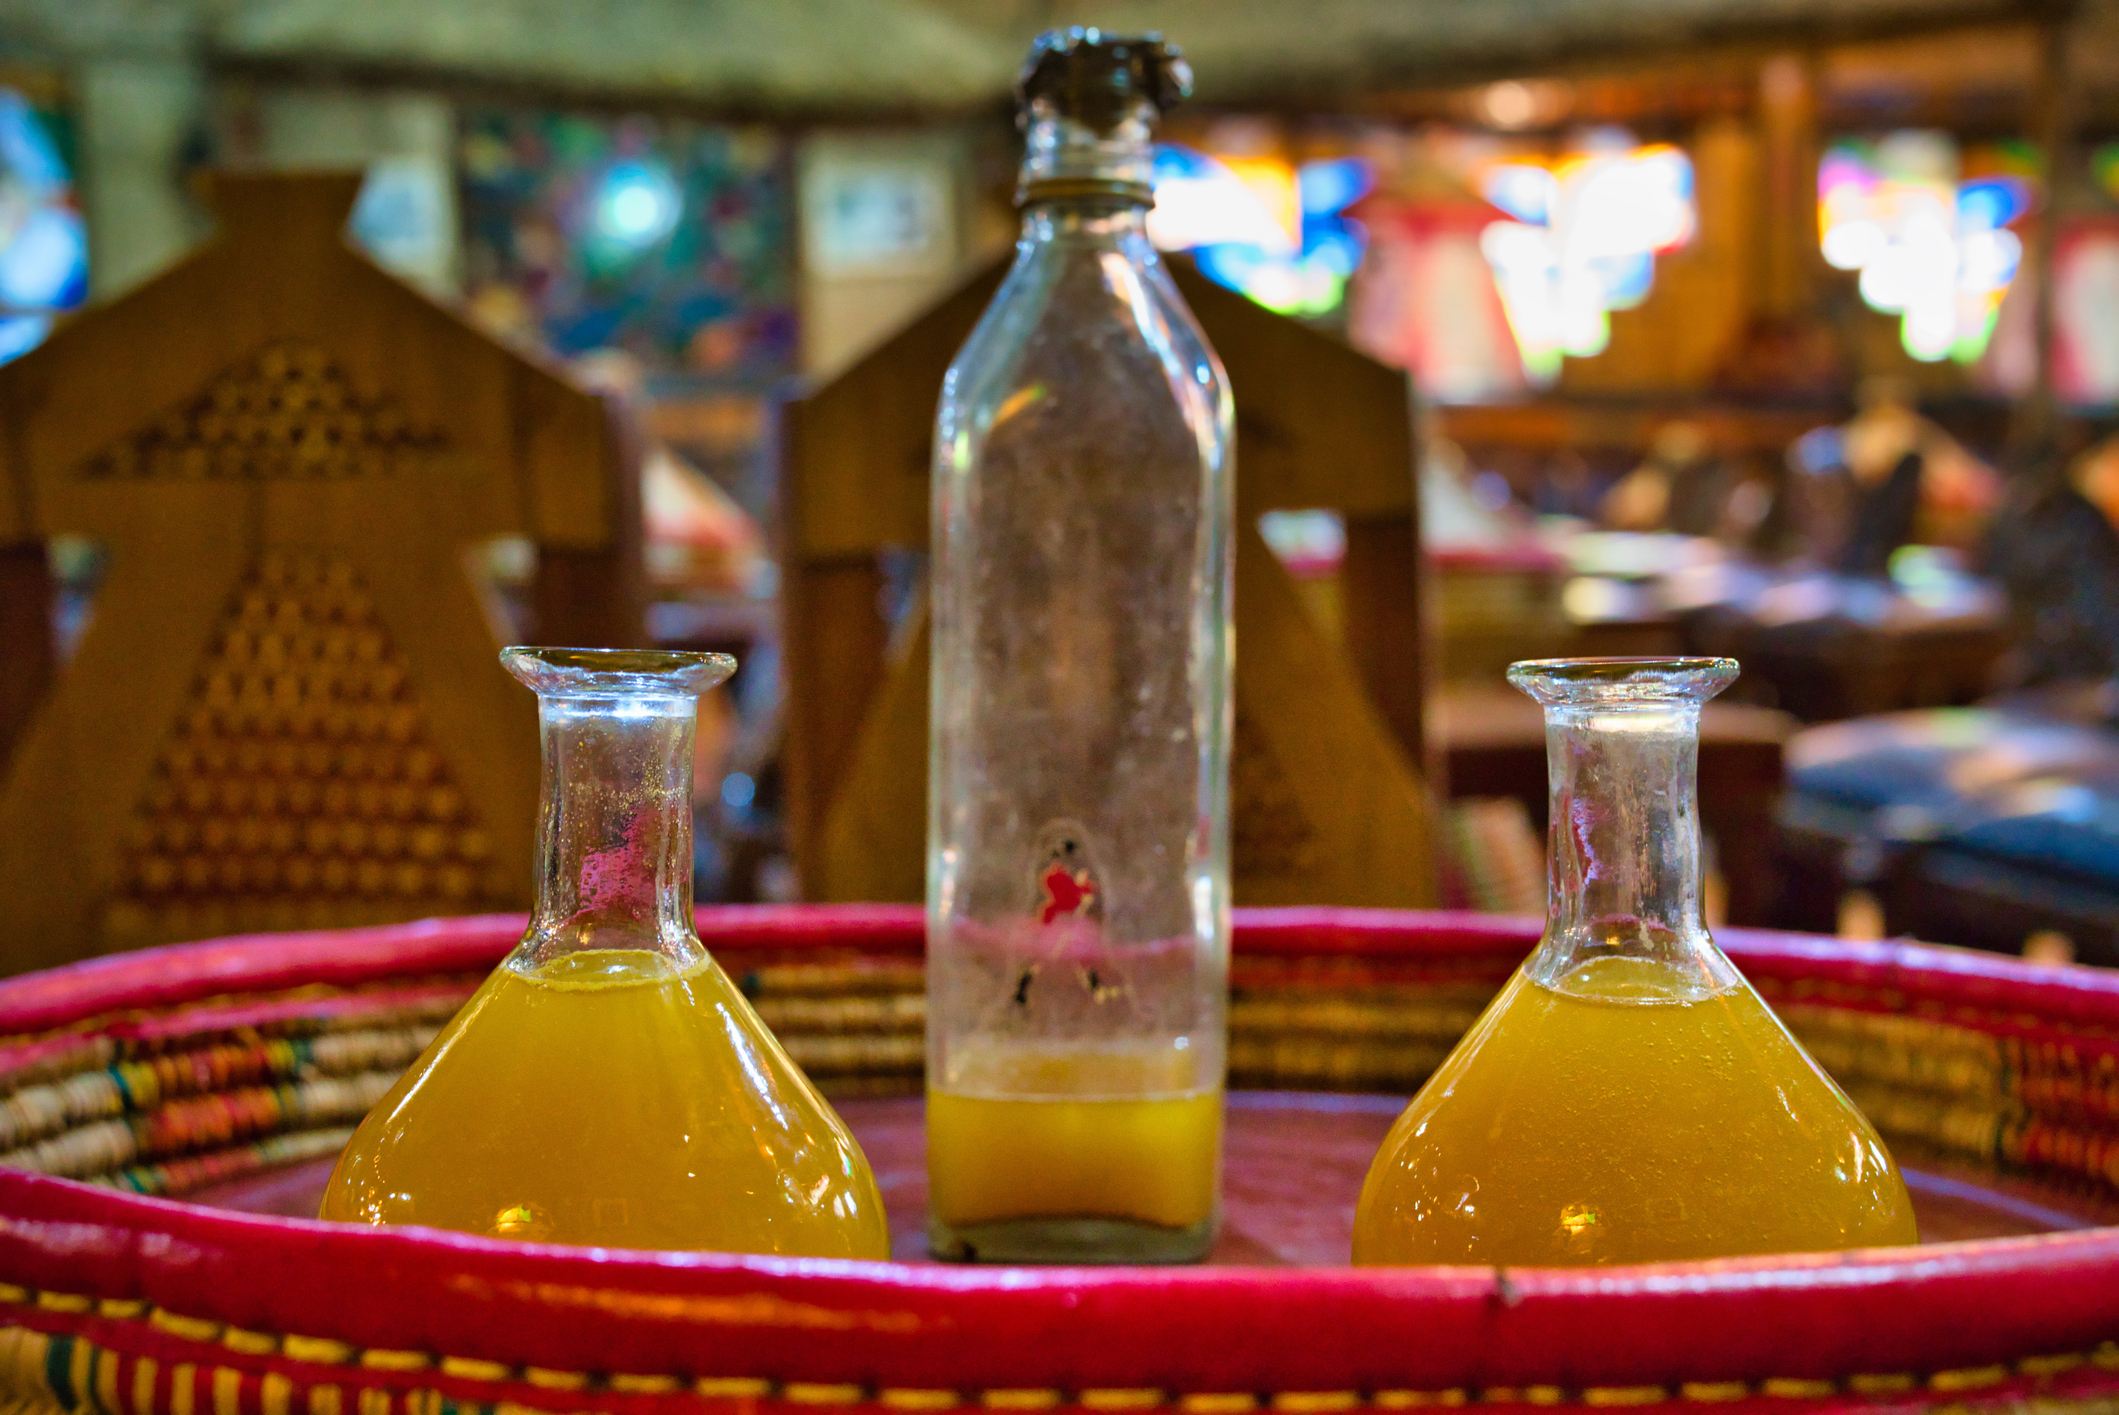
201 1091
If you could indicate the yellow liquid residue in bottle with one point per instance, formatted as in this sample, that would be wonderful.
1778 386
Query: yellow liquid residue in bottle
1077 1130
1627 1115
610 1097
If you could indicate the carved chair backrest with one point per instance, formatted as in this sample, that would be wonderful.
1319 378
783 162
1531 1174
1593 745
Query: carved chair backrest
286 709
1328 801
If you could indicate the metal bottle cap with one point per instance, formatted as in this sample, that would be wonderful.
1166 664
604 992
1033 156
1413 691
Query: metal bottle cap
1093 77
1098 80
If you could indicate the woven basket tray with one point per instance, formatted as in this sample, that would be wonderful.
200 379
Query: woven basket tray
230 1073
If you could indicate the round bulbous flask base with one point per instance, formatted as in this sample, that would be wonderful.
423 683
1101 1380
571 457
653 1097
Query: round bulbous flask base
1627 1097
609 1086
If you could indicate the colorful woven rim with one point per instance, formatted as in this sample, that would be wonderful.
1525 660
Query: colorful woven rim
154 1073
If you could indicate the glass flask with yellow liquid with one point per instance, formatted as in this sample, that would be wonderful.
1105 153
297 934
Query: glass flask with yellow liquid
608 1085
1627 1098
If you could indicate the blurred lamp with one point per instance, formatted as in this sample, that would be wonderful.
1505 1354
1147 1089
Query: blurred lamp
1587 230
638 204
1273 232
1931 249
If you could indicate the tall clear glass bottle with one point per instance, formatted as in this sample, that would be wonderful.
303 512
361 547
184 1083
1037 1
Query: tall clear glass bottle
1077 849
1627 1098
608 1085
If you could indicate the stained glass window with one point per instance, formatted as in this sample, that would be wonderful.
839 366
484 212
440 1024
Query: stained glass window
43 246
1264 227
1932 243
663 238
1588 228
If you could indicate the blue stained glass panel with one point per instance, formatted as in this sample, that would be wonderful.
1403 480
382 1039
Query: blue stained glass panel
43 242
667 239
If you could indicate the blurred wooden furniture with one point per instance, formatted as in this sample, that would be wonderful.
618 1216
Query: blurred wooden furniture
1980 826
1488 608
1554 425
1328 804
1491 740
1825 670
286 710
1940 893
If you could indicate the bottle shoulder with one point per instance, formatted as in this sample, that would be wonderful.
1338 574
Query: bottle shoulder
1071 314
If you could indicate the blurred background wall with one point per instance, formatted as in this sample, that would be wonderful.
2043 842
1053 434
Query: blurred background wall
1659 271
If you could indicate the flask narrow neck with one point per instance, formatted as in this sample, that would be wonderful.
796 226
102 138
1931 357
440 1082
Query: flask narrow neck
614 829
614 826
1625 825
1622 752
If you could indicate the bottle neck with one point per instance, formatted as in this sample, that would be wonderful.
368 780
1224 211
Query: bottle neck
1070 164
1100 223
1624 841
614 830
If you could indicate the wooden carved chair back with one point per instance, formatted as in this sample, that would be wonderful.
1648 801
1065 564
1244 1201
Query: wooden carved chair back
286 709
1328 801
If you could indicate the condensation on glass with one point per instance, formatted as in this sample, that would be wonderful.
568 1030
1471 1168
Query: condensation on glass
1077 860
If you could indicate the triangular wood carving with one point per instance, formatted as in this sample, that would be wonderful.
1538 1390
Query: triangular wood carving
1304 828
300 786
875 836
1327 802
1327 810
287 412
275 400
1270 834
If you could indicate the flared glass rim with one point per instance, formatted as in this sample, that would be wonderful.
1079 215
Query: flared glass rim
616 673
1610 682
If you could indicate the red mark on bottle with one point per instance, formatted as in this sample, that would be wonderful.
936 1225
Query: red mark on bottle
1066 892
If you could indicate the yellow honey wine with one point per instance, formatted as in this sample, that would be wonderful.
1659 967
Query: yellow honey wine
1627 1115
1033 1131
610 1097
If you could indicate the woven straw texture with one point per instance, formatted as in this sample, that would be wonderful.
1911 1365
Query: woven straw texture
157 1074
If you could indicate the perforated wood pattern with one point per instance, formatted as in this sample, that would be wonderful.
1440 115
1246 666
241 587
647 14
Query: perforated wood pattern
299 787
288 412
